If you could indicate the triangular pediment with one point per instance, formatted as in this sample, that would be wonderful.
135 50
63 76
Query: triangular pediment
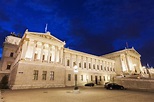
46 35
133 50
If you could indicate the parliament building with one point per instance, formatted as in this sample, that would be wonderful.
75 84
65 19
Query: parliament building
40 60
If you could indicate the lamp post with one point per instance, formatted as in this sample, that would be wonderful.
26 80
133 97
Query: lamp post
75 72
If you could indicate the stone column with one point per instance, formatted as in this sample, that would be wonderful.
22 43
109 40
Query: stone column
127 61
92 64
71 61
24 48
30 48
49 48
82 63
77 61
99 64
61 55
63 61
87 63
55 54
41 51
34 49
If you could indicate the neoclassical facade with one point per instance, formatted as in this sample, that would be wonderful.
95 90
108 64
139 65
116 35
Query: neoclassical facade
40 60
126 61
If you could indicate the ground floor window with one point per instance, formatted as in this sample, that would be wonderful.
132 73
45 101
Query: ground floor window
104 78
44 75
69 77
100 78
91 78
35 74
52 75
81 77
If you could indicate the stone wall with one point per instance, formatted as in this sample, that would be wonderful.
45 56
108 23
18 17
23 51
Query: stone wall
145 84
24 77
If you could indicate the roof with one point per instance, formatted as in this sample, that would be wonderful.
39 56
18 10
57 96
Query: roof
122 51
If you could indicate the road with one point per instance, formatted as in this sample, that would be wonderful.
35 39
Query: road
87 94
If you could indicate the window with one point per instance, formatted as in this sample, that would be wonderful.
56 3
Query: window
89 66
100 78
74 63
8 66
108 69
93 66
43 58
104 78
35 56
11 54
101 67
68 62
105 68
80 64
50 57
35 74
98 67
36 45
44 75
52 75
81 77
84 64
91 78
69 77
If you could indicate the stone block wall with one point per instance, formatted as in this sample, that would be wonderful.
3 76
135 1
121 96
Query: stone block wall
146 84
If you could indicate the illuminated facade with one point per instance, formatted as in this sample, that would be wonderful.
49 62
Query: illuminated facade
39 60
127 61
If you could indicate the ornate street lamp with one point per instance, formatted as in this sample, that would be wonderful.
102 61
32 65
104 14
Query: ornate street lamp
75 72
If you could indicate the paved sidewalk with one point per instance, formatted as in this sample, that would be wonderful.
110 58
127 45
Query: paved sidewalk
87 94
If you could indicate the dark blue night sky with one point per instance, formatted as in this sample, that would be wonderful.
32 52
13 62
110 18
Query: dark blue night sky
92 26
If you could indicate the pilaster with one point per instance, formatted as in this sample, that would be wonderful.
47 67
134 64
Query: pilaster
34 49
24 48
49 53
41 51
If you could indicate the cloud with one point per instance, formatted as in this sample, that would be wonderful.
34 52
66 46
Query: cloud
92 26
